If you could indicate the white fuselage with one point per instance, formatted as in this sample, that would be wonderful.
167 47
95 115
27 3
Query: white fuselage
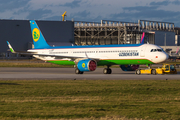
150 52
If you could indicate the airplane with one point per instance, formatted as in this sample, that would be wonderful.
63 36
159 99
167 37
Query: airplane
87 58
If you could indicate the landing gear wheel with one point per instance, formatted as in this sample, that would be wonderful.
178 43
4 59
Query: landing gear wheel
107 71
138 71
78 72
153 72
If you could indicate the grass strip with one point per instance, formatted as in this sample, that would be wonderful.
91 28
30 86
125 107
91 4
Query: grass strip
33 65
92 99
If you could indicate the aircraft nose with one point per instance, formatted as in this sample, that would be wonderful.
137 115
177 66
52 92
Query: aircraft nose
160 58
164 57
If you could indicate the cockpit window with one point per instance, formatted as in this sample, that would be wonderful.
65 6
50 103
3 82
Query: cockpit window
156 50
159 50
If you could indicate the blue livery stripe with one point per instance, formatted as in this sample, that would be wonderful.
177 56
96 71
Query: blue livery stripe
95 46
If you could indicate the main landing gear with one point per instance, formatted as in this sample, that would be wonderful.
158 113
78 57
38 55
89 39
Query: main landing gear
77 71
107 70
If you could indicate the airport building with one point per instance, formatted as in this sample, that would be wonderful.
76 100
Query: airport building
117 32
18 33
61 33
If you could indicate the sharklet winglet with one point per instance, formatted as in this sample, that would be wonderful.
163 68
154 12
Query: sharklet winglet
10 47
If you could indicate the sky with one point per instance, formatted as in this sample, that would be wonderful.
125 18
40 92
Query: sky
92 10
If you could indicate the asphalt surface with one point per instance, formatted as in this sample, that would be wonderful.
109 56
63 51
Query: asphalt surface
69 74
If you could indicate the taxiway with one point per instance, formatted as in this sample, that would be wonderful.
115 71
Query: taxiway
68 74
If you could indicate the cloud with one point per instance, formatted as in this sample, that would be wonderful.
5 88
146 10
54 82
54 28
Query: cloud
5 5
176 2
39 14
93 10
73 4
140 8
165 3
146 13
83 14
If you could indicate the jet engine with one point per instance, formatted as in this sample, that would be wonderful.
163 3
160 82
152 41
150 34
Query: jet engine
129 67
86 65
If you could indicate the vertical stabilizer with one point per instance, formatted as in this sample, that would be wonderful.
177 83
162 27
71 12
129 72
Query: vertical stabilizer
38 39
142 39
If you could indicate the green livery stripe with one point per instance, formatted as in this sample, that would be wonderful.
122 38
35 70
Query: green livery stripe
62 62
107 62
11 50
124 62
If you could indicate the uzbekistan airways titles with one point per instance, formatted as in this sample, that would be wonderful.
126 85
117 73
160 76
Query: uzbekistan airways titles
129 53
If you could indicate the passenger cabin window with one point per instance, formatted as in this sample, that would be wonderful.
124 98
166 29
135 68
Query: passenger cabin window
156 50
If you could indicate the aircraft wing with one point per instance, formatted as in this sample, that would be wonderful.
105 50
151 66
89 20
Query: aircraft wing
70 57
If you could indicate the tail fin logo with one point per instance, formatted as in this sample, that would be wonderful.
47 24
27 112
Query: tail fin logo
35 34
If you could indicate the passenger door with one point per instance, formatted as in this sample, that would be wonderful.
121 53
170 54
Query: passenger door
143 48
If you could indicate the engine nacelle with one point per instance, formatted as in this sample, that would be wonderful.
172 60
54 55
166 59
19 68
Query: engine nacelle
129 67
86 65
